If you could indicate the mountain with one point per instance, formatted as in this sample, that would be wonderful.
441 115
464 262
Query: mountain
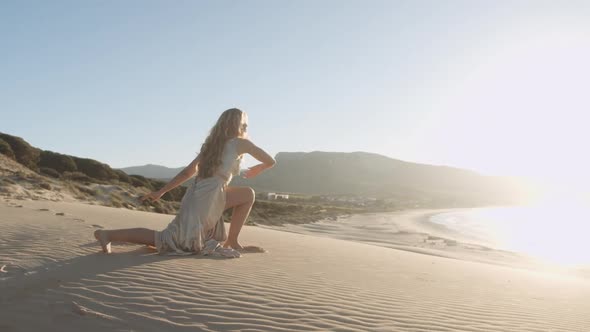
372 175
152 171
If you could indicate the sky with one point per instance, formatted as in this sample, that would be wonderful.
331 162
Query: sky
498 87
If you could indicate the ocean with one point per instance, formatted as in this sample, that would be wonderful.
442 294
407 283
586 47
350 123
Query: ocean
558 233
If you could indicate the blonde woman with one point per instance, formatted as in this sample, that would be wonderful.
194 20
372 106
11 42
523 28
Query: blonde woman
198 227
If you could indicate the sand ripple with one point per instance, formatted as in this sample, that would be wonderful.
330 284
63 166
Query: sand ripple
303 284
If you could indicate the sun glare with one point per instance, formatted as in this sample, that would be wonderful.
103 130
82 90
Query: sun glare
553 232
519 109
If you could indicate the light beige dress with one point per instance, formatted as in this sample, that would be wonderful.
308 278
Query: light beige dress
198 227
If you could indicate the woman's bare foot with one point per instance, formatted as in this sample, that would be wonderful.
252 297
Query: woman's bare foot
103 239
245 249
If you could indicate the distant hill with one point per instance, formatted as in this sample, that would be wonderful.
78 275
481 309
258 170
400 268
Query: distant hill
152 171
27 172
372 175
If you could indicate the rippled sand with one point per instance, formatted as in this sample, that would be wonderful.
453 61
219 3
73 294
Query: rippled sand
53 277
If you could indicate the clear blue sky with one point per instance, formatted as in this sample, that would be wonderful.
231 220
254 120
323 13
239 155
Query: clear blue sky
499 87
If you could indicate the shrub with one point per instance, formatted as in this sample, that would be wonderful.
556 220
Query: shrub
49 172
78 176
161 208
140 181
123 177
24 153
6 150
156 183
57 161
95 169
116 201
175 195
86 190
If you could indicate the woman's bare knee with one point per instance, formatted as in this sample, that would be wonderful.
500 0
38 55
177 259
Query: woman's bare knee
239 196
251 195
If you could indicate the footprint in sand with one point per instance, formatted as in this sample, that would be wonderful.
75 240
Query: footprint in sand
97 226
83 311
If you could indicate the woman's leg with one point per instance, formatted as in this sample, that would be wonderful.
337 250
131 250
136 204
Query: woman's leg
132 235
241 200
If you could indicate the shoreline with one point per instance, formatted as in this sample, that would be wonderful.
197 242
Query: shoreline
413 231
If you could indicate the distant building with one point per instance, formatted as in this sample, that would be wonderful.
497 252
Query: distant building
277 196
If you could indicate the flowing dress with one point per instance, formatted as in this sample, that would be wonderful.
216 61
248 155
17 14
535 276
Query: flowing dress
198 227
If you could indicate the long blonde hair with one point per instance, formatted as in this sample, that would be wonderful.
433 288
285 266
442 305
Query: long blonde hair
227 127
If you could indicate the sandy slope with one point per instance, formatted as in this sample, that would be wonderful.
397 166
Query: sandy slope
55 279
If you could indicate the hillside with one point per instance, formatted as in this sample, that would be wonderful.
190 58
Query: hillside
359 174
373 175
29 173
328 183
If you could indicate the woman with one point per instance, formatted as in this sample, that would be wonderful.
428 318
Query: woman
198 227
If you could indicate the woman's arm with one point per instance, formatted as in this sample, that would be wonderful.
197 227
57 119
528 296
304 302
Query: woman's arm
267 161
188 172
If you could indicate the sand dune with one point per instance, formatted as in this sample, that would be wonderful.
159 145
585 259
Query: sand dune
56 279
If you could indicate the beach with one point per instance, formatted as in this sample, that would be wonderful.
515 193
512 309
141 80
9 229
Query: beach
55 278
543 238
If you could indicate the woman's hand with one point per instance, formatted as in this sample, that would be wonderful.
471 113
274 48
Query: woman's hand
152 197
253 171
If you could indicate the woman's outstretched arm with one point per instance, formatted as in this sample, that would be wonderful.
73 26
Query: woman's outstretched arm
187 173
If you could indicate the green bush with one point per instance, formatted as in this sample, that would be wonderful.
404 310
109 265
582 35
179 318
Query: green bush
57 161
174 195
140 181
49 172
6 150
161 208
95 169
157 184
24 153
78 176
123 177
